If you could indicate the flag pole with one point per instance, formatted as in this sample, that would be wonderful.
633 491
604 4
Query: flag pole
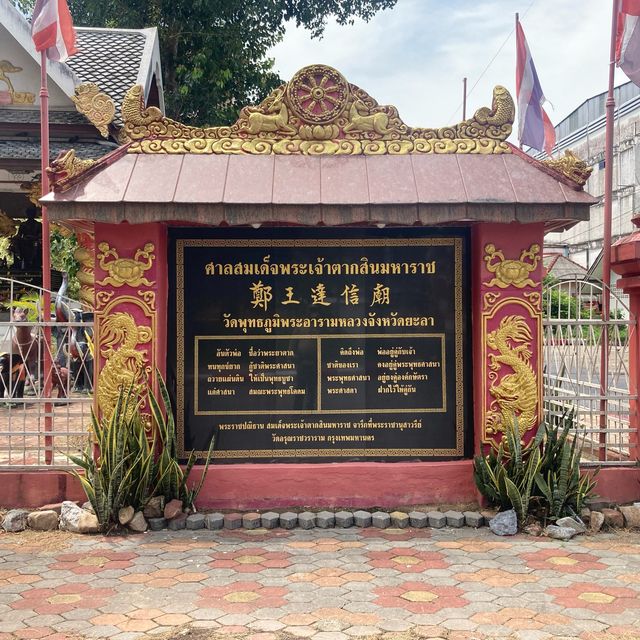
516 31
610 105
464 98
46 257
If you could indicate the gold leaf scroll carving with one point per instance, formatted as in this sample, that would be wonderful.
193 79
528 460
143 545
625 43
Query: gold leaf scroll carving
512 272
514 395
129 271
318 112
96 105
125 364
16 97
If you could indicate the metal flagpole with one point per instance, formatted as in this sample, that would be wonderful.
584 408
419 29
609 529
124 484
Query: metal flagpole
606 241
46 259
464 98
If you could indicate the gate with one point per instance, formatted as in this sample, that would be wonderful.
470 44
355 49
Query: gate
44 412
575 378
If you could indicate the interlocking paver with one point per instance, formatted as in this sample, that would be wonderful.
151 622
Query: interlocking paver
331 583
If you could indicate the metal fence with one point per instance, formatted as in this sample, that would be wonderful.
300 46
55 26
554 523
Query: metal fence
44 411
577 379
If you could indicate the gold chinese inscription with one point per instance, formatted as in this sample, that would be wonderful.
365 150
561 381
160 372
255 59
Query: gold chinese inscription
515 395
129 271
96 105
512 272
125 364
318 112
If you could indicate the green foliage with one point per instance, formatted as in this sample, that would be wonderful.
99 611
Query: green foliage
129 470
5 251
122 475
214 51
543 476
171 480
563 487
63 247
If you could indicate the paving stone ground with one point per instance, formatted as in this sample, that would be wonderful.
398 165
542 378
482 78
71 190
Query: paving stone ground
321 584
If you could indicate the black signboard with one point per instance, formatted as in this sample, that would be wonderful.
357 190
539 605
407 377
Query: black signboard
298 345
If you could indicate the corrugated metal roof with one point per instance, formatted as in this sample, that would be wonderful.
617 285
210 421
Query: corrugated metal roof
332 190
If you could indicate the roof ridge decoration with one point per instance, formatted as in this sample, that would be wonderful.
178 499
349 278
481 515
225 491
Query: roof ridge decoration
95 105
317 112
571 166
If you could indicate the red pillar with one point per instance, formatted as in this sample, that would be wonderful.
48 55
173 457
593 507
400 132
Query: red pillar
507 329
131 307
625 261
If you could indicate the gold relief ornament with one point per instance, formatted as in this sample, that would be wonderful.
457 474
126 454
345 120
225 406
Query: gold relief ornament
512 272
65 167
34 190
8 225
129 271
16 97
571 167
317 112
96 105
125 364
515 395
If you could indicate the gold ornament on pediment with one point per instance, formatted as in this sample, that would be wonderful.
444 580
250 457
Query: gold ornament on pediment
34 190
317 113
570 166
8 225
129 271
15 97
512 272
96 105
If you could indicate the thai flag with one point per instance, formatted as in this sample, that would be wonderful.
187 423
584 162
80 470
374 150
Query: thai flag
52 29
534 127
628 39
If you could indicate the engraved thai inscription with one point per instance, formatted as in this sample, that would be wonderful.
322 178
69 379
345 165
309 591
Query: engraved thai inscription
320 348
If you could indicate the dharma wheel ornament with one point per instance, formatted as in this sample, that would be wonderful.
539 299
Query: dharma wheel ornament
318 94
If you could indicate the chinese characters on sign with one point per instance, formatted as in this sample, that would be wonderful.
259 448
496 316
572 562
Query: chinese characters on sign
321 348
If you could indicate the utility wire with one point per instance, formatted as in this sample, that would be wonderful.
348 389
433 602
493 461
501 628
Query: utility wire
497 53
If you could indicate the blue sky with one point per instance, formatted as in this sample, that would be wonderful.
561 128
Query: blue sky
415 55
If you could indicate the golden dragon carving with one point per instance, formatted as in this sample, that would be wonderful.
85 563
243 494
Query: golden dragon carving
570 166
125 364
66 166
515 395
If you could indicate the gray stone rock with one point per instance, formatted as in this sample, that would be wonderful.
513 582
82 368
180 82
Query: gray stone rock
172 508
504 523
87 506
306 520
125 515
270 519
251 520
154 507
15 520
399 519
533 529
195 521
88 523
232 520
596 521
325 519
138 523
436 519
571 523
380 519
560 533
288 520
473 519
418 519
362 518
344 519
454 519
43 520
585 514
157 524
214 521
631 517
178 522
70 514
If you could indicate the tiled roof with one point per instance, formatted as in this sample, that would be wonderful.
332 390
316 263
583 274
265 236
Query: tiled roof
30 149
32 116
110 58
562 268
